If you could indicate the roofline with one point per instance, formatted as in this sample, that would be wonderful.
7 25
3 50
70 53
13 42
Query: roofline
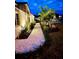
21 2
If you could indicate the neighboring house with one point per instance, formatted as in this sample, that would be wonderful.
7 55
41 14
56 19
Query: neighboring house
22 17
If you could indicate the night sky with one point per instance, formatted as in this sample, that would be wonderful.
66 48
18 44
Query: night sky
34 5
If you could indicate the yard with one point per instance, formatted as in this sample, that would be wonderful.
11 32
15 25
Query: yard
52 49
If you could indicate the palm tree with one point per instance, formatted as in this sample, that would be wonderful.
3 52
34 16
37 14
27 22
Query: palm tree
46 13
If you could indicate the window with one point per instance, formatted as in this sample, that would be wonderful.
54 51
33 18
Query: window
16 20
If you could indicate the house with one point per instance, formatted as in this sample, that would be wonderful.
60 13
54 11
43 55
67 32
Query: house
22 17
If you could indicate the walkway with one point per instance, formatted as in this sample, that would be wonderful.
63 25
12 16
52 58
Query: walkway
34 41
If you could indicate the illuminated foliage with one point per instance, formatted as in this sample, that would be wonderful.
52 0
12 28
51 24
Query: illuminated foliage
46 13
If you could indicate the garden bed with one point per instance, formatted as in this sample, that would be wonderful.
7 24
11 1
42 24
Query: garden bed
24 34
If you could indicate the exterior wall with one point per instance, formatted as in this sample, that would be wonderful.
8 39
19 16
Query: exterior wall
32 18
24 17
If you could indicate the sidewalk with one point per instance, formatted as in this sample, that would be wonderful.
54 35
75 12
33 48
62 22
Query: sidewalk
34 41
